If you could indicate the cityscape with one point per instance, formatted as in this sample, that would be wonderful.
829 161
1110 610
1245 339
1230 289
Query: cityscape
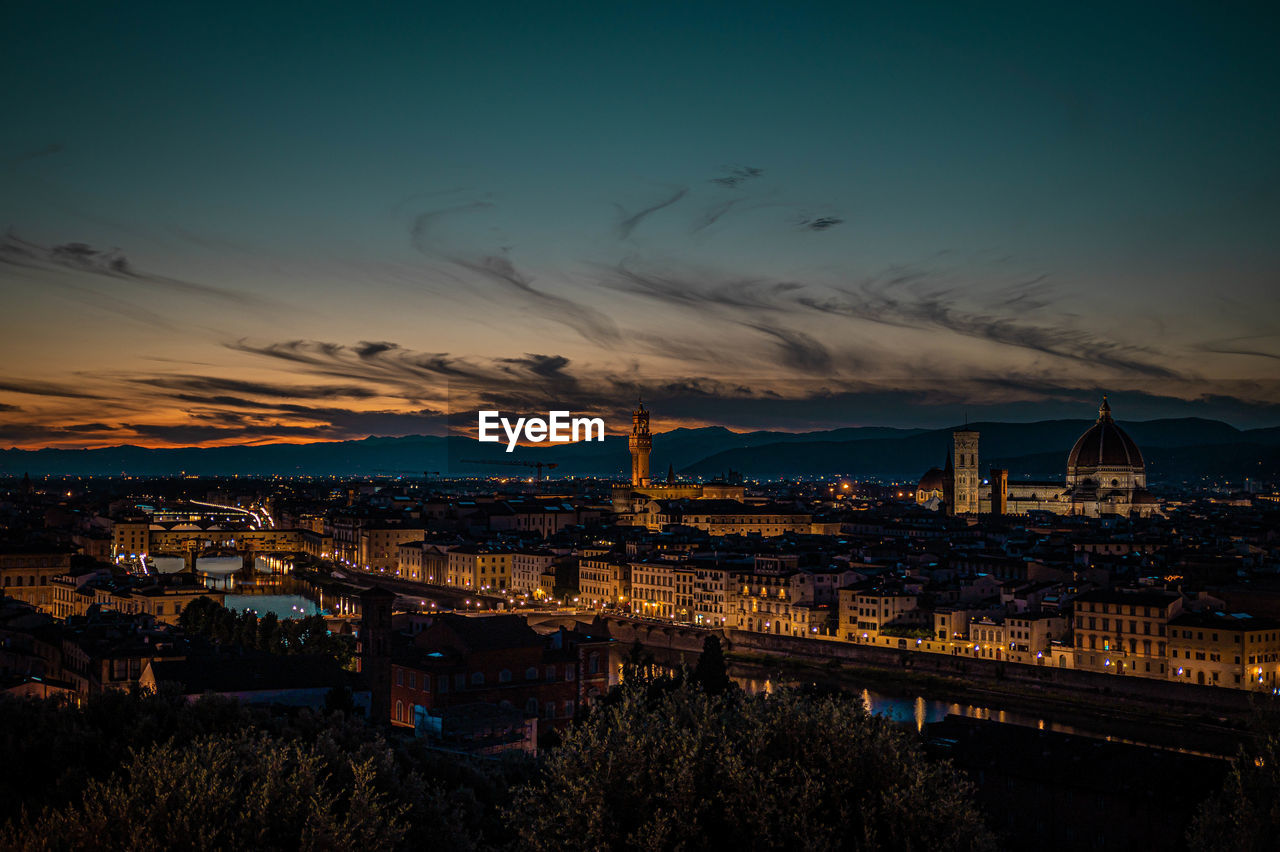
644 428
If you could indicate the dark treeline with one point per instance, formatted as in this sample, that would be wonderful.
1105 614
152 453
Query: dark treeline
685 762
681 762
308 635
144 771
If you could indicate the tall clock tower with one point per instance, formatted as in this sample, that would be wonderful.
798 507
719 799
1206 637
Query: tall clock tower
640 442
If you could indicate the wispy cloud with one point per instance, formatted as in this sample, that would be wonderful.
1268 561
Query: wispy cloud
275 391
628 222
497 268
45 389
108 264
821 223
736 175
911 300
797 350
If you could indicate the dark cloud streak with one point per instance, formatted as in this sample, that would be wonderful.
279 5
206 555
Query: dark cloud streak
629 223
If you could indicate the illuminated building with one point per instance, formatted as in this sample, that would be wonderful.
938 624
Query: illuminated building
1124 631
1106 475
27 573
631 501
641 444
865 612
479 567
527 568
604 579
1225 649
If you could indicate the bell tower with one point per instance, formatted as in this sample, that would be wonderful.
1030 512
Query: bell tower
967 483
640 443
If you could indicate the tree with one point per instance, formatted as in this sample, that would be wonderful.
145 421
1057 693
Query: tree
114 770
711 672
1245 814
694 771
270 636
243 791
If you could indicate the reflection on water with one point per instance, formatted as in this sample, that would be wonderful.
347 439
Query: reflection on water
284 606
920 711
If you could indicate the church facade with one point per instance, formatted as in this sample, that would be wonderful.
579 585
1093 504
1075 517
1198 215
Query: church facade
1106 475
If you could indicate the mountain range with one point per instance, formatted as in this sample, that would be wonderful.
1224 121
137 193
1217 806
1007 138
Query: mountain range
1175 450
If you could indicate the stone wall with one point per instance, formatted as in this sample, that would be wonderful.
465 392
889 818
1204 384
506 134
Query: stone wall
684 644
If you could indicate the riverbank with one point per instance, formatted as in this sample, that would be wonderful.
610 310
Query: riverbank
1091 715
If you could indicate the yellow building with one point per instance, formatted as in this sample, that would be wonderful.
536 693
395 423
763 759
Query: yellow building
1029 637
379 547
653 588
725 517
480 568
987 637
163 599
409 560
168 538
27 574
781 604
604 579
864 613
130 537
1219 649
1124 631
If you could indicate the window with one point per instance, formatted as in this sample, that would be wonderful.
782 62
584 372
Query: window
413 680
504 676
593 664
531 707
399 679
531 673
399 711
477 678
568 672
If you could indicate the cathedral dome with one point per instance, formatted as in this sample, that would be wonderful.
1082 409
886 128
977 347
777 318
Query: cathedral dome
1104 447
932 484
932 480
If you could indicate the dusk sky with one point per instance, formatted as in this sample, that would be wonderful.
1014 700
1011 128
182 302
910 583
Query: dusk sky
235 223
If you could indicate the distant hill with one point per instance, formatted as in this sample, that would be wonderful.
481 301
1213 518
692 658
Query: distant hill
410 455
1181 448
1175 449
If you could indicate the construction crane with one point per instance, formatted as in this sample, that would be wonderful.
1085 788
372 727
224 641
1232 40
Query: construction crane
538 465
427 474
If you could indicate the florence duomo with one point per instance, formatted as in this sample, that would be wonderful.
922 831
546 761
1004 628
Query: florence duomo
1106 475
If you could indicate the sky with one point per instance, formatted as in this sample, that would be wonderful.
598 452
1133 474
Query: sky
232 223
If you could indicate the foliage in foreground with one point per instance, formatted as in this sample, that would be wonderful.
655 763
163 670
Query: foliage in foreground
685 770
130 771
229 792
1245 815
670 768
